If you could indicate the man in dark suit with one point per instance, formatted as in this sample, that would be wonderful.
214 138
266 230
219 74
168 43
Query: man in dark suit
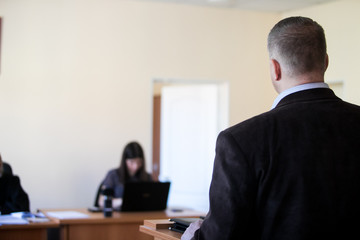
292 172
12 196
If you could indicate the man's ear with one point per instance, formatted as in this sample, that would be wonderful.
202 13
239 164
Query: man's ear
275 70
326 62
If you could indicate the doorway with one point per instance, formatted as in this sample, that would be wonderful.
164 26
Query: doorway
188 115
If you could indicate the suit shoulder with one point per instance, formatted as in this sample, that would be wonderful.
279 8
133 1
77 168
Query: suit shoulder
11 180
251 123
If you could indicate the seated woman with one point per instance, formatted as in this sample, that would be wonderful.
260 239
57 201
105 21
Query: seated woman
13 198
131 169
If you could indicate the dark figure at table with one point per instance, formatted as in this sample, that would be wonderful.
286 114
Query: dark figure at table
13 198
292 173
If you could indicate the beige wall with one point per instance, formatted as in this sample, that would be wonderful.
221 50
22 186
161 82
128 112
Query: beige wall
340 20
75 83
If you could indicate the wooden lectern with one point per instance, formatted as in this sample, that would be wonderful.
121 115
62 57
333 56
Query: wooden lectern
159 229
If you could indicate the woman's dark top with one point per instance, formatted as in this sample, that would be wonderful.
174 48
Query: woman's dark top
112 180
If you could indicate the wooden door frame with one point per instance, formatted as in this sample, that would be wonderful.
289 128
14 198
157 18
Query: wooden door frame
156 137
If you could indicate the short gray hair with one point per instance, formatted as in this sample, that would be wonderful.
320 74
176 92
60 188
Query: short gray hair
299 44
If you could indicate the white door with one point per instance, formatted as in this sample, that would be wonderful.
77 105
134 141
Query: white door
190 123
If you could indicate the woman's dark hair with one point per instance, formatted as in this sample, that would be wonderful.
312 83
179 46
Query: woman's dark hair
132 150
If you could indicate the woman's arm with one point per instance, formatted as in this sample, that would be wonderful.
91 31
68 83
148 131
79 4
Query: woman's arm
116 202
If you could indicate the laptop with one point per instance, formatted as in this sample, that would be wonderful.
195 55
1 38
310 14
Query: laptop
145 196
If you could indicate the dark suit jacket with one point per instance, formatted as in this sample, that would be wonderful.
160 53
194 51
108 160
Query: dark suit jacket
290 173
12 196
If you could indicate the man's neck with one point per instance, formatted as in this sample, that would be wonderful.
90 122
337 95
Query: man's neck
298 88
292 81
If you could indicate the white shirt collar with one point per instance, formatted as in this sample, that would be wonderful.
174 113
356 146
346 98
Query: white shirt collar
298 88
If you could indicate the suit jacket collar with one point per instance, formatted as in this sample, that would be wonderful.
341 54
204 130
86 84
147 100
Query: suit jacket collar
308 95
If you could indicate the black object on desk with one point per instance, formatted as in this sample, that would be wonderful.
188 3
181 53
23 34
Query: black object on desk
181 224
145 196
108 196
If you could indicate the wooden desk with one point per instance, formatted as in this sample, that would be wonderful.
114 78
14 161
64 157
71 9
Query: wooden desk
31 231
159 229
121 226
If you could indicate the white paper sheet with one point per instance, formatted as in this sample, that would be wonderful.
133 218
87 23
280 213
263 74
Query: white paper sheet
8 219
67 214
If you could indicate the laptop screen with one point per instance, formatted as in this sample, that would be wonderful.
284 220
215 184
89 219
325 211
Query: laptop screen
145 196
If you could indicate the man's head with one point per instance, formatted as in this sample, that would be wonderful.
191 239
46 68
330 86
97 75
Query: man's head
298 46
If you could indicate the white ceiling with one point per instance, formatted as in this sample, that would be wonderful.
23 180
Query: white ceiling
257 5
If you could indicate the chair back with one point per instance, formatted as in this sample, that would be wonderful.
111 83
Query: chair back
96 203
